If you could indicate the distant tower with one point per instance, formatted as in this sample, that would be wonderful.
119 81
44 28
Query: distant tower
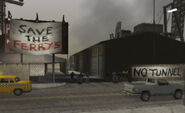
118 29
180 15
65 32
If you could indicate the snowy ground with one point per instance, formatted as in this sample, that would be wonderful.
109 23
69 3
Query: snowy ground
162 109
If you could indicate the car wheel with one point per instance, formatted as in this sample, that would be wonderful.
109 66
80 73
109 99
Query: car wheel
178 94
145 96
18 92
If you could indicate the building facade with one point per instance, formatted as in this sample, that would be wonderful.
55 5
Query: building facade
114 55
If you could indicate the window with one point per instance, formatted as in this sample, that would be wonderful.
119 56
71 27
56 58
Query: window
11 80
3 80
162 82
151 80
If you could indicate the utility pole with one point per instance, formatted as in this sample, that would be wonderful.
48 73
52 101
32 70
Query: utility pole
154 12
176 17
165 16
3 11
177 20
2 15
154 31
2 18
53 67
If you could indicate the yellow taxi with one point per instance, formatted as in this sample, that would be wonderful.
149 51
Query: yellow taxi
13 84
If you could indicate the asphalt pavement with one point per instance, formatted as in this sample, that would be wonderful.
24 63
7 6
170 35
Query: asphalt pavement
104 97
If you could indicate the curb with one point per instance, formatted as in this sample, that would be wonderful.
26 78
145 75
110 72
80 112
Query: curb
47 85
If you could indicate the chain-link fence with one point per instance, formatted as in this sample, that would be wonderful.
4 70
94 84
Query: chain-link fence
37 69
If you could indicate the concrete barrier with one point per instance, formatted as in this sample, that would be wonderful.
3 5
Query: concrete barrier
20 70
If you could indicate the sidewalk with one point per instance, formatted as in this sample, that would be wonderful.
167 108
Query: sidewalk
162 109
46 85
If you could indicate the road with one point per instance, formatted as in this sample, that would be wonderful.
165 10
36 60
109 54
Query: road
75 98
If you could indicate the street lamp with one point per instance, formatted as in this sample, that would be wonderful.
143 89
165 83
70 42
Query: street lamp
177 20
172 10
20 2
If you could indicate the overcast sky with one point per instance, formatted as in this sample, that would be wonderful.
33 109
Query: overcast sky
90 21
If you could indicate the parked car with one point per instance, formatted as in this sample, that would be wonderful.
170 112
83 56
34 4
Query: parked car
154 86
12 84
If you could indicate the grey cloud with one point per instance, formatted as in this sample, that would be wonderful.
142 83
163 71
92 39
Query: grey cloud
91 21
100 17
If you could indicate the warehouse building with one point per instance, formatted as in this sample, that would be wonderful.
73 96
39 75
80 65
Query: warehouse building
147 27
142 48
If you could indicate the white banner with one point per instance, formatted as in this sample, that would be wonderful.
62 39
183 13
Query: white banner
157 71
35 38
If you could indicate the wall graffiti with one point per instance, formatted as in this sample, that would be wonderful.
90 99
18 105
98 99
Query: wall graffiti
157 71
35 38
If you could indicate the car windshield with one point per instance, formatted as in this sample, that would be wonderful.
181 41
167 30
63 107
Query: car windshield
17 79
162 82
151 80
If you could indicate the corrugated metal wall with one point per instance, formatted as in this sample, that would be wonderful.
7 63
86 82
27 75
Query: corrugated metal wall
94 60
91 60
76 62
114 55
97 60
101 60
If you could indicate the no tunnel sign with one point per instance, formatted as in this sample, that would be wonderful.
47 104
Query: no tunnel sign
35 38
157 71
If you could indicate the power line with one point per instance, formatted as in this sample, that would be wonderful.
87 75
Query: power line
154 12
